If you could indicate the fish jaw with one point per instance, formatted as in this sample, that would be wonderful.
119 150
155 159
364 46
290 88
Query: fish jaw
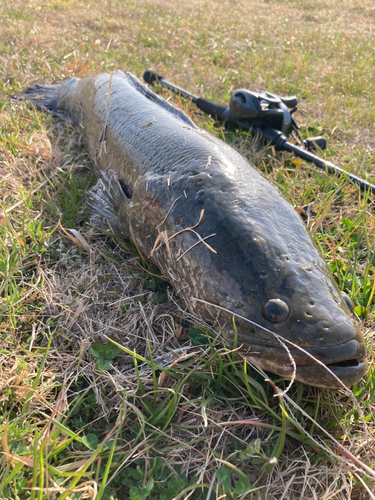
328 367
329 376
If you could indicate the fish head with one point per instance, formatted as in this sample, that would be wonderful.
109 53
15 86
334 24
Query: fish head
311 322
284 300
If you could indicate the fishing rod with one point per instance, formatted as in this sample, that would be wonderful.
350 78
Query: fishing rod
267 114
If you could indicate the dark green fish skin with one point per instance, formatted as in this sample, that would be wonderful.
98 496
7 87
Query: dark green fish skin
217 229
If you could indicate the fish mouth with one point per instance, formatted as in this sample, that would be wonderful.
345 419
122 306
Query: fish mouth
345 362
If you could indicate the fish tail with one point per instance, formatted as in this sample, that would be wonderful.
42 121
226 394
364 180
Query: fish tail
108 203
44 97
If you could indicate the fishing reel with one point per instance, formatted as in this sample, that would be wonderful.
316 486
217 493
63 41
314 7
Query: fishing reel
268 113
263 108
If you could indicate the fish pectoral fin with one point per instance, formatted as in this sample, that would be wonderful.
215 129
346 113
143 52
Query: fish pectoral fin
109 202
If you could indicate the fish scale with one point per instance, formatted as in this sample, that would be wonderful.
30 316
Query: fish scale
215 226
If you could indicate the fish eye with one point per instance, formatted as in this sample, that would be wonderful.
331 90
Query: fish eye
275 311
348 301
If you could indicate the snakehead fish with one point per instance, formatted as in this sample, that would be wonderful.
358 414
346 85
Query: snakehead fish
219 231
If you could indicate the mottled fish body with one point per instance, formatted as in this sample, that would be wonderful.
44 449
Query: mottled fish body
218 230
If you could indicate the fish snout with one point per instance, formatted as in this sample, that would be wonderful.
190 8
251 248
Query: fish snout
342 349
331 333
333 338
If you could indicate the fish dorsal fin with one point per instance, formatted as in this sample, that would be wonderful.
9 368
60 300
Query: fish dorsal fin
141 87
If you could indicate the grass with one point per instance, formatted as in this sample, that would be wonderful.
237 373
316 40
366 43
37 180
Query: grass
88 407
